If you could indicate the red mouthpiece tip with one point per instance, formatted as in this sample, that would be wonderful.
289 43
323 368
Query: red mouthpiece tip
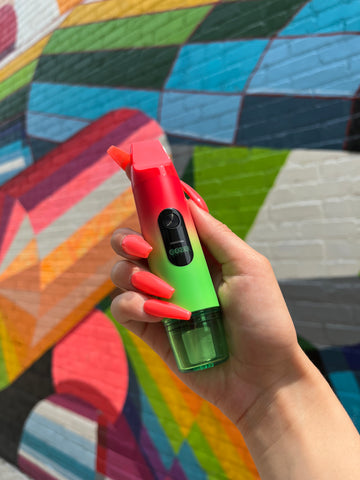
119 156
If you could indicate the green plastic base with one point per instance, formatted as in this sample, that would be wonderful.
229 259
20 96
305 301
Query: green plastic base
199 343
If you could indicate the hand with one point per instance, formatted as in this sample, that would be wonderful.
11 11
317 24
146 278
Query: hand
261 336
292 423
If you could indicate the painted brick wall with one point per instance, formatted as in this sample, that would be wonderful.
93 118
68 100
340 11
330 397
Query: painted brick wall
258 102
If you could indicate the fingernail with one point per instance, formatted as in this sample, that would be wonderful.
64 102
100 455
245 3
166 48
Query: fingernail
135 245
195 196
159 308
151 284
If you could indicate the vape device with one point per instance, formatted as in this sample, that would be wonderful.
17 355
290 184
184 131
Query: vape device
177 256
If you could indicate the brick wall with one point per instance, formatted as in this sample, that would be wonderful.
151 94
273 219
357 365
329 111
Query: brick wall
258 101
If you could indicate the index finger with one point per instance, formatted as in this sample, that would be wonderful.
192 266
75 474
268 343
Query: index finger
129 244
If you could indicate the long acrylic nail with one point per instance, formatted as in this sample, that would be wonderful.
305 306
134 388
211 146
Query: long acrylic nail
135 245
151 284
159 308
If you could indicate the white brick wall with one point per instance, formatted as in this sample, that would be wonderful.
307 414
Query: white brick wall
309 224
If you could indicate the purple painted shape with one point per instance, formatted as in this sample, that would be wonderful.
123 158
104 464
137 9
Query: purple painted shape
177 472
33 470
5 212
87 158
152 455
124 458
75 405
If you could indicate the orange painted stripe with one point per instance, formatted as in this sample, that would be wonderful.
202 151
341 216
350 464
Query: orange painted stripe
65 5
20 326
25 259
68 322
86 237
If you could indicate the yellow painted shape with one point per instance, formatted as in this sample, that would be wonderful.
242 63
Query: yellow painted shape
12 364
237 440
25 259
102 11
75 247
226 452
167 387
24 59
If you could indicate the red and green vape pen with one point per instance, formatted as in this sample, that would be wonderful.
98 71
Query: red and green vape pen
177 256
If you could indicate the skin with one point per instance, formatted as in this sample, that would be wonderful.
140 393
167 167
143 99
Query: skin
268 388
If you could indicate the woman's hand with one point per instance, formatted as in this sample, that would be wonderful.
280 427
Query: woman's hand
260 333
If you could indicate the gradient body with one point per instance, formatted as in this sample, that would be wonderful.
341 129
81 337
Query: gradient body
156 187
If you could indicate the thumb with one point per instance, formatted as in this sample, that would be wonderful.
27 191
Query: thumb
226 247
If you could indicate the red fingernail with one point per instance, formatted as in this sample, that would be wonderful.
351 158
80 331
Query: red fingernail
135 245
159 308
151 284
194 196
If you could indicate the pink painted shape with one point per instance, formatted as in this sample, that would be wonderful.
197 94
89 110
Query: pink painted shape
90 363
72 192
17 216
8 27
85 182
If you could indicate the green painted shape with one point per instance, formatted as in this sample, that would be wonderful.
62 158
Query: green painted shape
234 181
305 344
4 380
138 68
14 105
169 28
18 80
205 454
188 175
249 19
160 407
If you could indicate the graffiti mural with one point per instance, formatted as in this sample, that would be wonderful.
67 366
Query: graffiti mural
258 103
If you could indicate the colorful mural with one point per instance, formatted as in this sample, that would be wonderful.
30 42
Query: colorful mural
257 100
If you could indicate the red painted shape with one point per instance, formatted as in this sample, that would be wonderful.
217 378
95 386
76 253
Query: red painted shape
64 153
8 28
90 363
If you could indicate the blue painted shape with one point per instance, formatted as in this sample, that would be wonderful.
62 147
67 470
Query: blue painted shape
330 16
351 403
333 359
200 116
53 127
89 103
14 158
352 354
344 382
51 457
190 464
156 432
60 438
286 121
310 66
216 67
348 391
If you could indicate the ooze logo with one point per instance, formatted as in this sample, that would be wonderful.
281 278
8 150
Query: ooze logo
178 250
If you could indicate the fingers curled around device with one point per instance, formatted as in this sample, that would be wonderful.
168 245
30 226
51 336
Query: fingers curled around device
129 275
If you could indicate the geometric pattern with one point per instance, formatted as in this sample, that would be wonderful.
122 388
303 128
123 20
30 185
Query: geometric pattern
78 76
56 221
216 65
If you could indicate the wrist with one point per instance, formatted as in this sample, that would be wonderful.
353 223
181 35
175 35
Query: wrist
298 429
